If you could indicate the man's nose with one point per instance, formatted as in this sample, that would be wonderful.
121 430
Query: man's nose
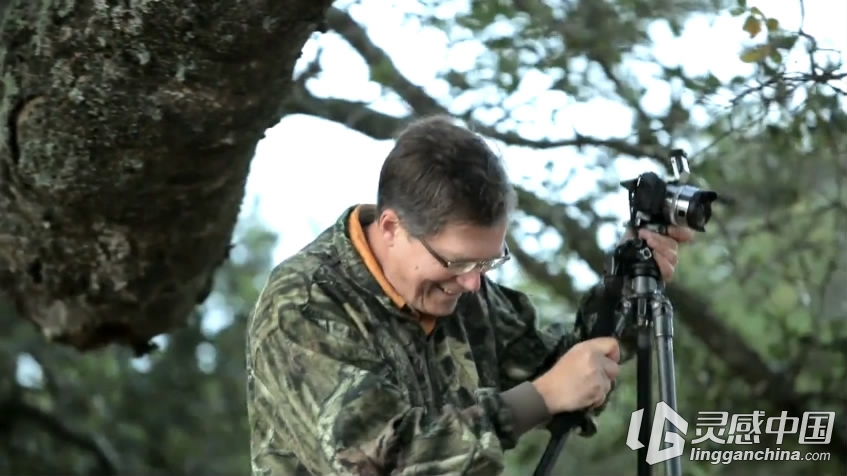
470 282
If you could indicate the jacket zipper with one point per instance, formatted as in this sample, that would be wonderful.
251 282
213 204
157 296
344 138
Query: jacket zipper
430 380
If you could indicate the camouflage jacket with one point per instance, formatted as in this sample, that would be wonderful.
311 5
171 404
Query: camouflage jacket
342 381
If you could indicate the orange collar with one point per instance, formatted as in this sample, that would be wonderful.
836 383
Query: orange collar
360 242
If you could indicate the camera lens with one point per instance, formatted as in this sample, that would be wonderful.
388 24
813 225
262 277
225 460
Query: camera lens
700 209
689 206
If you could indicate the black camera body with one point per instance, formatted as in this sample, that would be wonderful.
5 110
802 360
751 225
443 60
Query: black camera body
656 204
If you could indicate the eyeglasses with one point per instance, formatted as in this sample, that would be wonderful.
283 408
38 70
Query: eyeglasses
462 267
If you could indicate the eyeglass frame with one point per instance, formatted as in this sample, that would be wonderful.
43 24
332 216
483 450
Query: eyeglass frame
464 267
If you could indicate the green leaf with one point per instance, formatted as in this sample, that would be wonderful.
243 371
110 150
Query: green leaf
752 25
772 24
755 54
783 41
712 82
738 11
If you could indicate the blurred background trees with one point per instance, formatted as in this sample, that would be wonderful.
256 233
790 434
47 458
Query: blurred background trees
760 303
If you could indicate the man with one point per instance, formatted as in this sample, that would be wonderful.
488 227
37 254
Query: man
382 348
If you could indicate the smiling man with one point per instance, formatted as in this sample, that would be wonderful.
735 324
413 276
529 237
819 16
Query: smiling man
382 347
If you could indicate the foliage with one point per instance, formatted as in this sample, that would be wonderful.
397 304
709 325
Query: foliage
759 299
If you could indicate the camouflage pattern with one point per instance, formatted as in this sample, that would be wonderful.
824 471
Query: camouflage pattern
341 381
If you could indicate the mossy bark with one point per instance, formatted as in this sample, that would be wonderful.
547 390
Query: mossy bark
127 134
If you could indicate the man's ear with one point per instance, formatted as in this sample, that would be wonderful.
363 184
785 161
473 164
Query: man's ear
389 226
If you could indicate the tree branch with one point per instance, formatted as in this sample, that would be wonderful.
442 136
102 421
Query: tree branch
424 105
15 410
560 283
127 136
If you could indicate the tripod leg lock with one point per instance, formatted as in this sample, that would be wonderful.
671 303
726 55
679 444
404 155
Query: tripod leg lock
588 427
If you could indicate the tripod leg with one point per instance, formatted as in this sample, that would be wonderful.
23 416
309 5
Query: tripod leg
643 391
560 429
663 325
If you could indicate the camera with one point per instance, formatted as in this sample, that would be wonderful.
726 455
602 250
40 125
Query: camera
656 204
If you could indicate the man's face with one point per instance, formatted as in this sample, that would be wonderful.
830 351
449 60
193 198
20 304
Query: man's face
434 272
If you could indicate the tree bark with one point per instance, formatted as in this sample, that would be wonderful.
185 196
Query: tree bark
128 131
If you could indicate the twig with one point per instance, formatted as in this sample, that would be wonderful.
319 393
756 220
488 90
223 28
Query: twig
14 410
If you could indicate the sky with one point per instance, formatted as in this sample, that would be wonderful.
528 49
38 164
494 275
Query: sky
306 170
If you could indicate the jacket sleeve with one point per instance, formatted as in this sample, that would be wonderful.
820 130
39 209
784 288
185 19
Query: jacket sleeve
319 390
529 348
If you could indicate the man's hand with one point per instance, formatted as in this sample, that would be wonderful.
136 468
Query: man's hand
665 248
582 378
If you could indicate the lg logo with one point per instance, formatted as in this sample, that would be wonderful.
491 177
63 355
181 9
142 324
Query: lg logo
654 454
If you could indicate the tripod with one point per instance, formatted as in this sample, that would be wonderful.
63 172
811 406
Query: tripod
643 308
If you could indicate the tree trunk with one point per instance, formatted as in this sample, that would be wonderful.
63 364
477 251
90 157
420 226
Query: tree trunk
127 139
